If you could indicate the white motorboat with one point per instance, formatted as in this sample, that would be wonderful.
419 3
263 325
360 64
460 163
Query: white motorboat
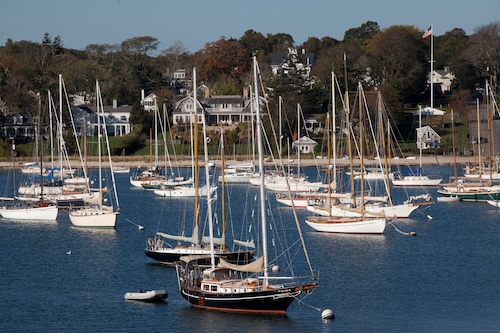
147 295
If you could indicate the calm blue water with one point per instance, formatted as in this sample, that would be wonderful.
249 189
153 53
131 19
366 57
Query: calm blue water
447 279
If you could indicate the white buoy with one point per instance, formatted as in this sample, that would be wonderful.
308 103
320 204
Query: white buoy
68 252
429 217
276 268
327 314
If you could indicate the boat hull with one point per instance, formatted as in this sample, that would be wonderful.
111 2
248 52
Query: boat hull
47 213
348 226
394 211
472 195
170 256
150 296
416 181
184 191
90 217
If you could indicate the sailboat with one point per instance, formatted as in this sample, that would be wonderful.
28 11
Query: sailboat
476 191
355 219
248 289
16 210
95 214
158 246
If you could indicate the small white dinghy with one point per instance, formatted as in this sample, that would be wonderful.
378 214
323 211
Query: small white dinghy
147 295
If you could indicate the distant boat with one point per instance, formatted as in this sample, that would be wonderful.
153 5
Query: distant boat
121 169
150 296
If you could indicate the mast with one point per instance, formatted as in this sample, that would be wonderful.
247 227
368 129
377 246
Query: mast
361 155
195 158
420 138
99 141
260 150
298 140
334 136
280 133
61 141
480 158
207 181
223 200
453 145
432 68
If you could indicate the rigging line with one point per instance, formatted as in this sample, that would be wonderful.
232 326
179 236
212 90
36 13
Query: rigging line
411 234
301 302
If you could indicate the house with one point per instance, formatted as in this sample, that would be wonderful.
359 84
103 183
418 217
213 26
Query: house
293 63
117 119
427 138
149 102
304 144
218 109
19 125
442 78
178 80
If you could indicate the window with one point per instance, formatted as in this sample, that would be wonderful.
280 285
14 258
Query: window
213 288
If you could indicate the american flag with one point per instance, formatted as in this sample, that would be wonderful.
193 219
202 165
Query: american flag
427 32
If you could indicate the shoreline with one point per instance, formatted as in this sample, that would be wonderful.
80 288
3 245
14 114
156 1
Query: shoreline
143 162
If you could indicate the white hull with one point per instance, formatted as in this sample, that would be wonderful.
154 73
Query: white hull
236 178
147 296
121 170
416 181
93 217
48 213
348 226
395 211
494 203
184 191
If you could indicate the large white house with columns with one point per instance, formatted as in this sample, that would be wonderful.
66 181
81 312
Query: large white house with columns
218 109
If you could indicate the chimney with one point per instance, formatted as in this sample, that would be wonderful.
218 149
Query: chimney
115 104
142 96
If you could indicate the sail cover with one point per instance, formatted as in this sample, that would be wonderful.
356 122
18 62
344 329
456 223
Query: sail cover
255 266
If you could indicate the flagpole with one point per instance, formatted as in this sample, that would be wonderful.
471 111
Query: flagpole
432 67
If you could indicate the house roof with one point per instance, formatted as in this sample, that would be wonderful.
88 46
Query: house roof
305 141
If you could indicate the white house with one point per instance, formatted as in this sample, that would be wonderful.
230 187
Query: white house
219 109
305 144
427 138
148 102
442 78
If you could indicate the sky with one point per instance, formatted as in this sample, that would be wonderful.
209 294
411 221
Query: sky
198 22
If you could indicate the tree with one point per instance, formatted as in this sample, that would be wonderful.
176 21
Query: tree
254 41
176 55
224 59
483 52
140 45
398 57
362 34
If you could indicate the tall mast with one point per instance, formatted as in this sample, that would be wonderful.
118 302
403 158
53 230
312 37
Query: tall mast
207 182
432 67
260 150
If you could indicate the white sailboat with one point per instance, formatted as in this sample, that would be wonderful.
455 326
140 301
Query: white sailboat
95 214
20 210
353 218
248 289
